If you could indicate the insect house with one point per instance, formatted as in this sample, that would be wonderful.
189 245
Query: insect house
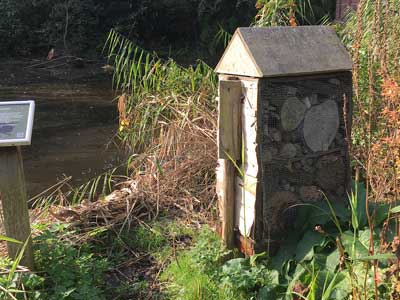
284 123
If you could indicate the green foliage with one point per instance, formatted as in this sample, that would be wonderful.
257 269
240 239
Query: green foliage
309 264
74 20
64 270
31 26
16 285
188 282
12 283
10 25
245 277
305 12
190 275
71 273
208 251
227 14
157 93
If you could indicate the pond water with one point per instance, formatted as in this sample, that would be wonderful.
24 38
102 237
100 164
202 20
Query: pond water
75 121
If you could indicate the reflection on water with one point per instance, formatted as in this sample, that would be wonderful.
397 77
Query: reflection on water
73 131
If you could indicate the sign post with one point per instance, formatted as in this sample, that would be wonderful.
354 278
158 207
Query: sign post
16 122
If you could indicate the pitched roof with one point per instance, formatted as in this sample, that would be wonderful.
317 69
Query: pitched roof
282 51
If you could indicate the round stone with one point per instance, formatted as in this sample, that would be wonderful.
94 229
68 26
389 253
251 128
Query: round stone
292 113
288 151
275 135
321 124
310 193
281 210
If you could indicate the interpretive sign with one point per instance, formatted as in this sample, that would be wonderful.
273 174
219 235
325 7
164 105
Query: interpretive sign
16 121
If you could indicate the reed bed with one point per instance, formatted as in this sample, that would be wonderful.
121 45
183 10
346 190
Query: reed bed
167 116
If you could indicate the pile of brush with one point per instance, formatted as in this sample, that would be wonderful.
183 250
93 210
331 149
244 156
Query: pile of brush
178 177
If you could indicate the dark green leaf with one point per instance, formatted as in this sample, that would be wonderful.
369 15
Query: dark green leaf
305 248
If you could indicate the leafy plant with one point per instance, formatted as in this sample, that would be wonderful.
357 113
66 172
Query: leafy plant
70 272
294 12
15 284
328 257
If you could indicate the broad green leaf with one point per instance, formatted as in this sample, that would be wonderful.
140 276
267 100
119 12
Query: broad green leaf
380 211
267 293
332 260
364 237
286 252
361 207
353 246
341 288
305 248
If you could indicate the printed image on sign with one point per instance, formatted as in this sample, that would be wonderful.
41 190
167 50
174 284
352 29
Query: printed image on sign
16 120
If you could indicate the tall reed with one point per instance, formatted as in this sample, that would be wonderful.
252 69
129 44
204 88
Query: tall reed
156 91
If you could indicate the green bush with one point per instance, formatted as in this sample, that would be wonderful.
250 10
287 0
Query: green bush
71 272
10 26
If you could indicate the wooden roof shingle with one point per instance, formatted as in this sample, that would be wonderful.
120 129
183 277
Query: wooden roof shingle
284 51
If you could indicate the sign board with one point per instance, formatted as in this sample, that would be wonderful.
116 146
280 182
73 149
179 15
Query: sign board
16 122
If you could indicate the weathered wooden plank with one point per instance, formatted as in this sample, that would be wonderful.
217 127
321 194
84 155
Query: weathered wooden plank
226 200
237 60
229 122
14 203
245 204
249 127
247 184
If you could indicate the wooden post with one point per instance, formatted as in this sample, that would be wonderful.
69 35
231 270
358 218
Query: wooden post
226 201
14 203
229 148
229 120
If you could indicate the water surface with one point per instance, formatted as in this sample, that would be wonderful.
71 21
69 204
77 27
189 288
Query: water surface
75 121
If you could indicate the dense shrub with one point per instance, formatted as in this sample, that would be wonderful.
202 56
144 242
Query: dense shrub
10 25
32 26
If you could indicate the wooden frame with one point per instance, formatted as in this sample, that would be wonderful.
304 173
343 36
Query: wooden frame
26 139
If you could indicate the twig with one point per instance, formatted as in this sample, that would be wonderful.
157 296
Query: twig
66 24
8 293
51 61
313 155
58 185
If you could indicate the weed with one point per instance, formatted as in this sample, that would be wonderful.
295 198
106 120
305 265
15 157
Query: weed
293 12
70 272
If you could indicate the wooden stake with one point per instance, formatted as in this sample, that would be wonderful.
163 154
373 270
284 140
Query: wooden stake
229 148
14 203
226 201
229 120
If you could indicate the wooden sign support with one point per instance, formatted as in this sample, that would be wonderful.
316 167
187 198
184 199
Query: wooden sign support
16 123
14 203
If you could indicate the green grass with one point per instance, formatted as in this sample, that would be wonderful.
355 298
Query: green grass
72 268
